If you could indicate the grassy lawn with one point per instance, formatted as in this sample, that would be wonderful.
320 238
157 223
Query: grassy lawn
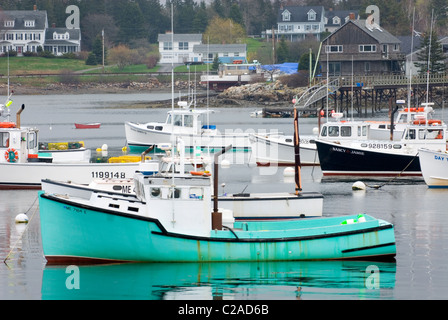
35 65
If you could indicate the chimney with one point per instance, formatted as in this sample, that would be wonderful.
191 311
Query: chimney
35 7
53 25
352 16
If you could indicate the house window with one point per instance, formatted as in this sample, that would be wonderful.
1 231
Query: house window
334 68
336 20
367 48
333 49
168 45
396 47
311 15
367 66
9 23
183 45
286 15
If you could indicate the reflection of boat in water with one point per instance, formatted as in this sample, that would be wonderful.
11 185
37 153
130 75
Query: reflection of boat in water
205 281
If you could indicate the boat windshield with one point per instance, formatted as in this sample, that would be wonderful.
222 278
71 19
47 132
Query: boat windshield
181 120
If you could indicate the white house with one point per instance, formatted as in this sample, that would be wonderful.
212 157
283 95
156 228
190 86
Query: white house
295 23
227 53
62 40
177 48
22 30
189 48
26 30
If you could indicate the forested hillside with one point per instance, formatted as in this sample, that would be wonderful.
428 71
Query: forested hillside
135 21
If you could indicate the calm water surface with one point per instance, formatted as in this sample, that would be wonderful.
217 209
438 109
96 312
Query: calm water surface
419 214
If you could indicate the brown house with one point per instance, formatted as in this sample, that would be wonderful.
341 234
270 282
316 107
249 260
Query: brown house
361 47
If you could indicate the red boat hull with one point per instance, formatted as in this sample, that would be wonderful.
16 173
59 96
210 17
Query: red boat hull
87 126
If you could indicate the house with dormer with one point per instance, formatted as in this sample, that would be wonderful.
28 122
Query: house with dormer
27 30
60 41
22 31
334 19
295 23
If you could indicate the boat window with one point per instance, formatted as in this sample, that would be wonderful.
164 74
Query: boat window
139 191
346 131
433 134
159 128
150 127
333 131
4 139
324 132
175 193
410 135
288 140
32 141
178 120
188 121
155 192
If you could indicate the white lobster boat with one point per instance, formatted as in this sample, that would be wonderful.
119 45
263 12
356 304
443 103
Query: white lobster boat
23 164
187 124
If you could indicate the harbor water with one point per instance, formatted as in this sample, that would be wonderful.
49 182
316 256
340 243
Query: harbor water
418 213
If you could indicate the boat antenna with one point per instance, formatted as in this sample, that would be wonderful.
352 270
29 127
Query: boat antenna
410 65
429 58
172 94
298 178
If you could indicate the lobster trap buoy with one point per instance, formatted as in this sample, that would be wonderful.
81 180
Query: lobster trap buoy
359 185
21 218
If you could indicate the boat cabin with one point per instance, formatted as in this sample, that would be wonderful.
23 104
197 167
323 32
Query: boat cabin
433 130
183 121
16 144
344 130
167 202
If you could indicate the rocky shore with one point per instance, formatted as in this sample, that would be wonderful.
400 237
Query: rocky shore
256 94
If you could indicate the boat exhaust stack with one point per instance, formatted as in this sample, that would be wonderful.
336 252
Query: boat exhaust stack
18 116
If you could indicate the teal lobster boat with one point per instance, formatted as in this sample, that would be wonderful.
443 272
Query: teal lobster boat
173 221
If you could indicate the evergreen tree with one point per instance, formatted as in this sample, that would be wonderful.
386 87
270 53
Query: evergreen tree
282 51
97 50
436 56
200 20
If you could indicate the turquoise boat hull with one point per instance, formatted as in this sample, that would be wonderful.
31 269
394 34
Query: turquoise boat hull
74 233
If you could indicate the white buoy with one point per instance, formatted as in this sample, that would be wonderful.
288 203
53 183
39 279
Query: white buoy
104 147
22 218
358 185
288 172
225 163
316 130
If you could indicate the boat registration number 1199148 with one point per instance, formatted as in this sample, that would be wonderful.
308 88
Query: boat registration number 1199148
108 175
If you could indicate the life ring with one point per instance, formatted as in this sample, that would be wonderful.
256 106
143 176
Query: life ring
7 125
432 122
11 155
200 173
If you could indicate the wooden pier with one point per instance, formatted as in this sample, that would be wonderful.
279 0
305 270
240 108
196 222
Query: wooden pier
374 93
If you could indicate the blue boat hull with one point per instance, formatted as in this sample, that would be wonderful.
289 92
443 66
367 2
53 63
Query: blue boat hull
73 233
